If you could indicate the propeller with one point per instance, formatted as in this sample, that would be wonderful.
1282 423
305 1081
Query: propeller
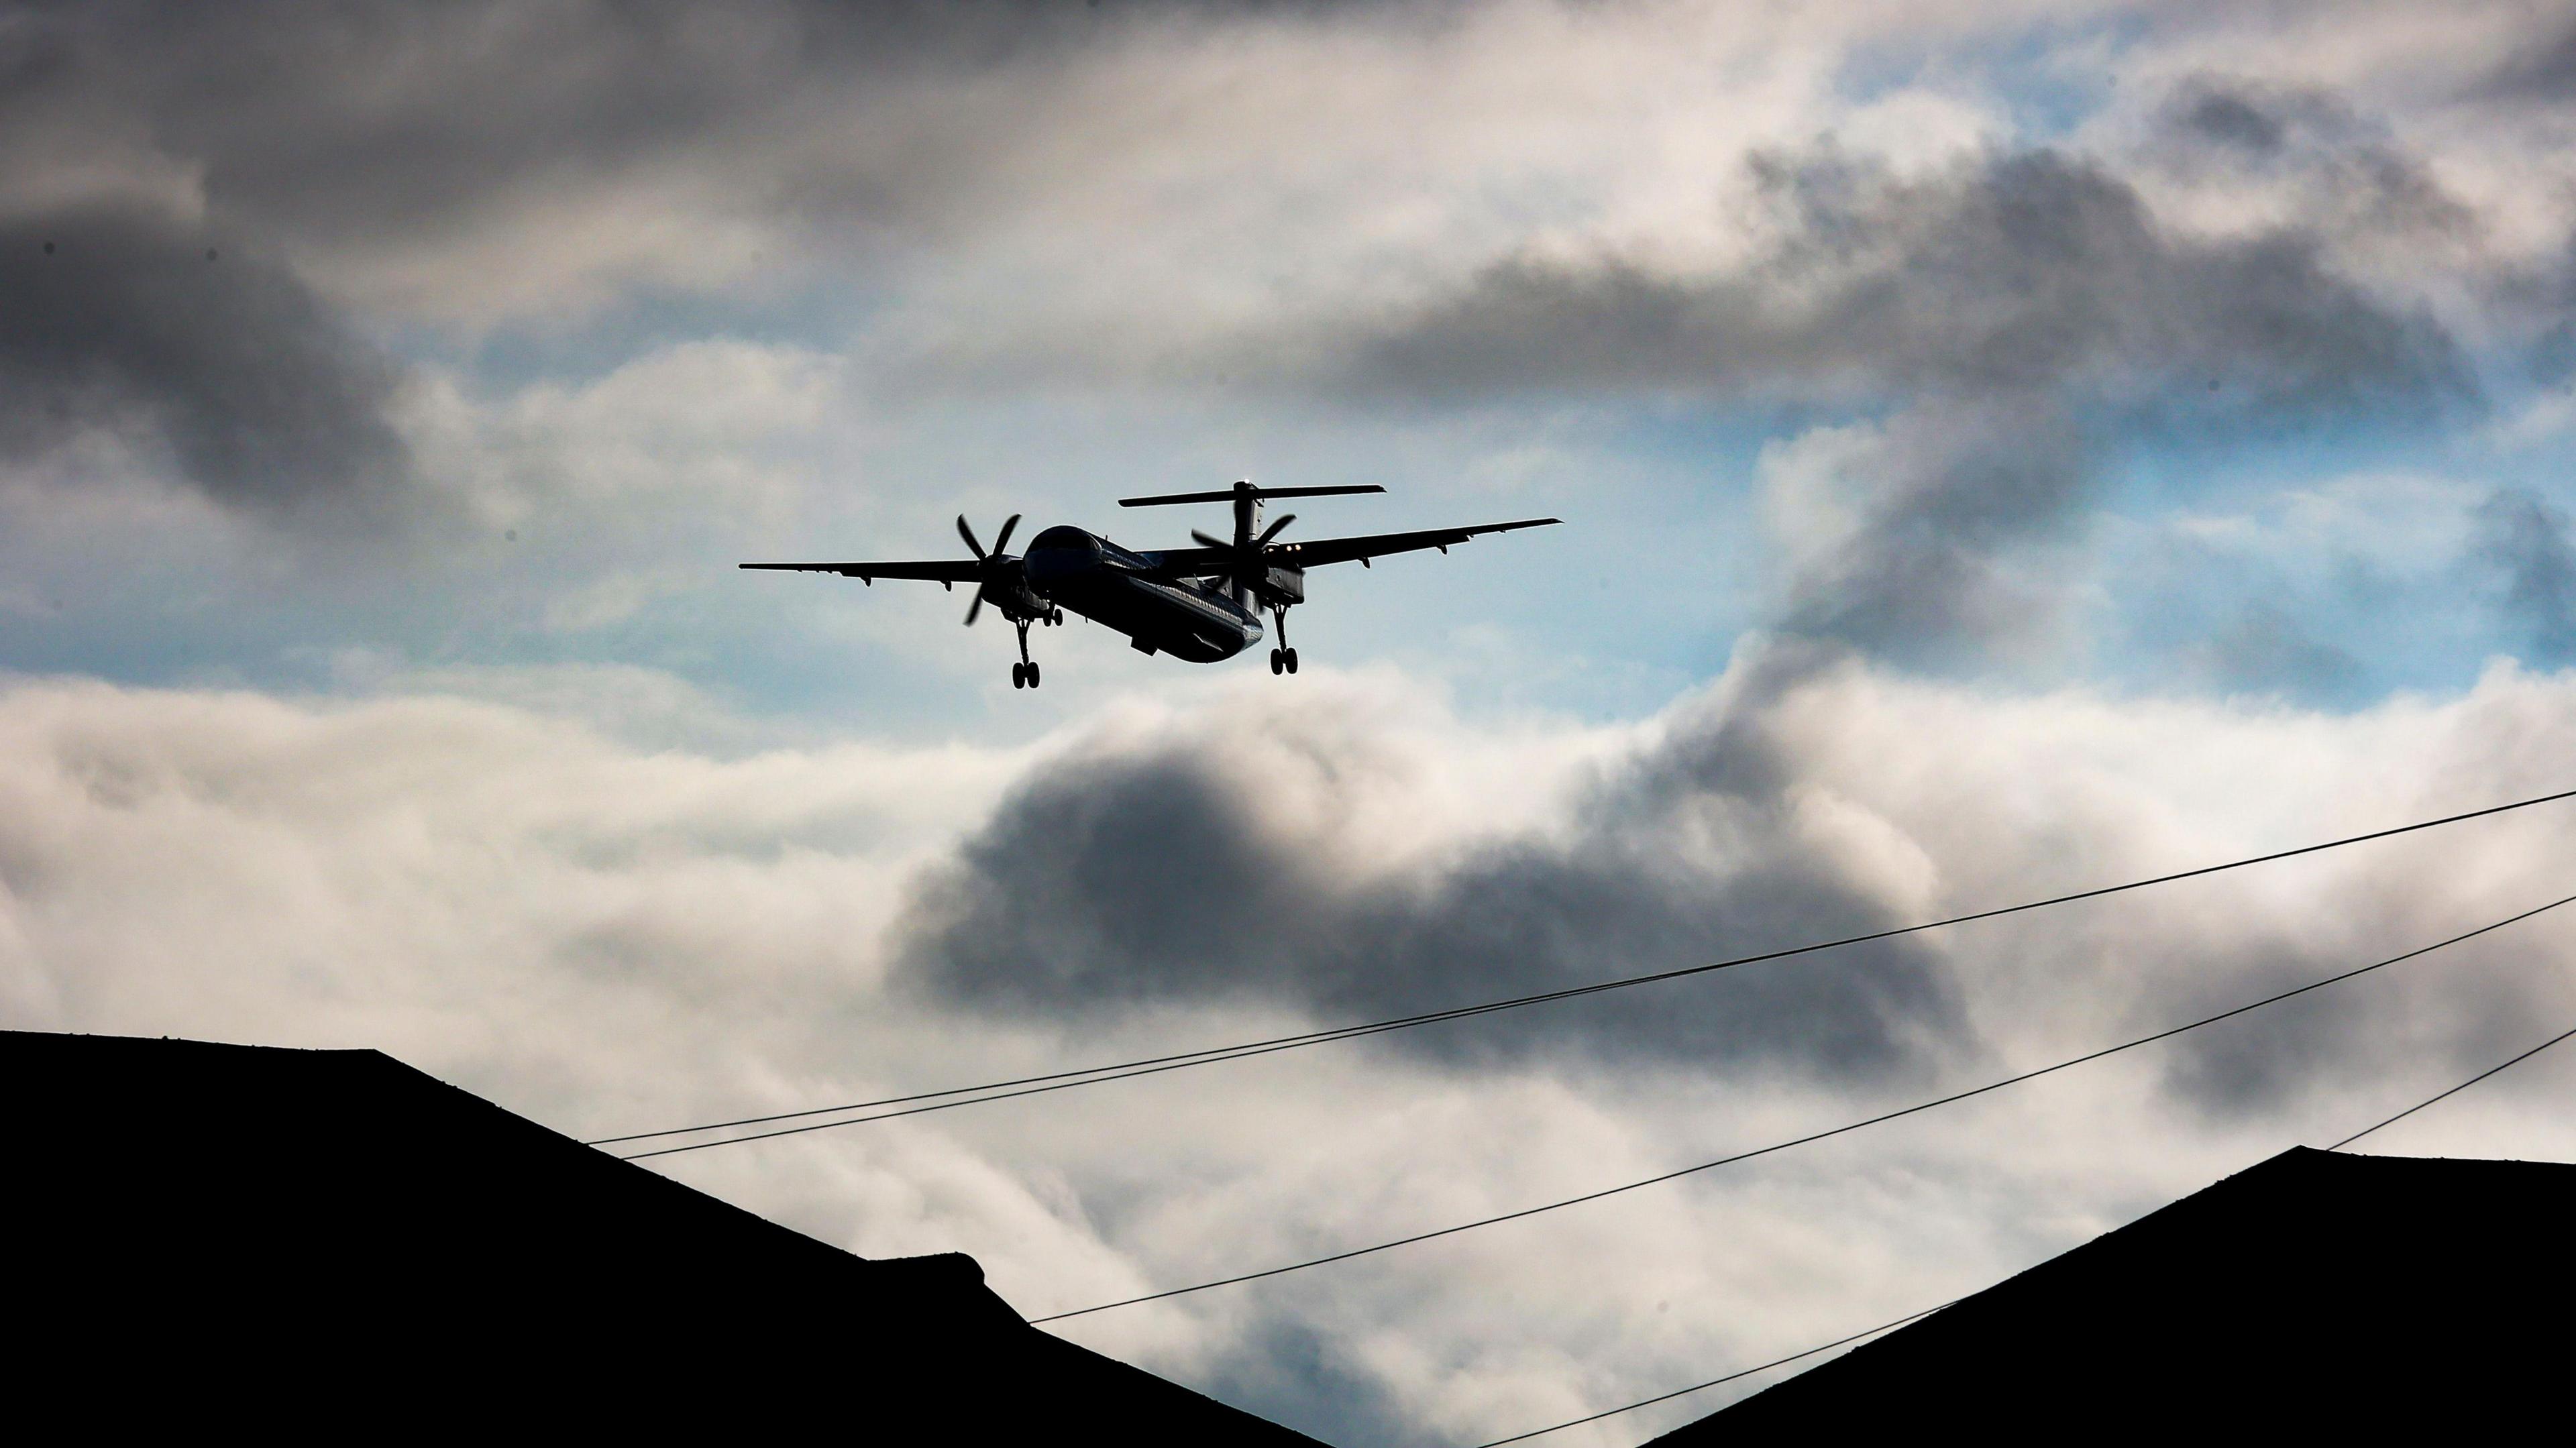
1247 556
995 563
1261 542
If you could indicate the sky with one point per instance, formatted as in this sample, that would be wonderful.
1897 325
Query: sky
2004 448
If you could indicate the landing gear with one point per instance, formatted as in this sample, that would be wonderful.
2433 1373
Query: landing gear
1055 618
1283 659
1024 674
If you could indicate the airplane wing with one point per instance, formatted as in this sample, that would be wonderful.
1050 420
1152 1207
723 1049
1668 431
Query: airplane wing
1211 562
946 570
1321 551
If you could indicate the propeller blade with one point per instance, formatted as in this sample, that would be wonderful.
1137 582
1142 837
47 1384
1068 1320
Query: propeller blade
1273 530
969 535
1002 540
1207 542
975 608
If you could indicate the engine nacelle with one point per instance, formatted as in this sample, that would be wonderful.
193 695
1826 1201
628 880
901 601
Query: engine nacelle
1281 587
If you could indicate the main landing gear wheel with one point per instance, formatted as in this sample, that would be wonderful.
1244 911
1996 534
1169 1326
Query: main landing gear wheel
1055 618
1282 659
1024 674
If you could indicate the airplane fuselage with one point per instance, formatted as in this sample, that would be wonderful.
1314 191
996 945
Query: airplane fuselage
1199 622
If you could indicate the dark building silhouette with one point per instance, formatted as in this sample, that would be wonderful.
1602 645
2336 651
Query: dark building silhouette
330 1241
2314 1296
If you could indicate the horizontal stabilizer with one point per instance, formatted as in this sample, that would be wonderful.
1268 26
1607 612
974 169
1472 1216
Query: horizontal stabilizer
1241 490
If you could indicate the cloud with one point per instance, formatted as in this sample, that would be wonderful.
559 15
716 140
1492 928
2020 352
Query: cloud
2263 651
2523 541
2017 319
614 936
2344 177
2543 73
2014 271
1192 867
1133 881
449 164
1929 537
643 238
130 322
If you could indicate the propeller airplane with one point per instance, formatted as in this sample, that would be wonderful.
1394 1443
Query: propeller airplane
1201 605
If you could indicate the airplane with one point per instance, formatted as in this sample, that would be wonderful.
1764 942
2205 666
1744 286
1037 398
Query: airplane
1200 605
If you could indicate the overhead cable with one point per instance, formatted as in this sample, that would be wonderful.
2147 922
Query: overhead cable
918 1102
1900 1322
1815 1136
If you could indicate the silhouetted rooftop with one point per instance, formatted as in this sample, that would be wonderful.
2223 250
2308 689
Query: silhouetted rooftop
330 1238
2314 1293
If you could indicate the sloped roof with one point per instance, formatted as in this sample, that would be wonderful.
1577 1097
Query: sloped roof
2314 1292
333 1237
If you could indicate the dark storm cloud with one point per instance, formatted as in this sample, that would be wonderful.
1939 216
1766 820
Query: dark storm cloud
374 126
2522 541
2022 271
307 143
1112 882
121 319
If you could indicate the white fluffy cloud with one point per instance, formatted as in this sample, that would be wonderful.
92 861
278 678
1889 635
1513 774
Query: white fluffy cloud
609 936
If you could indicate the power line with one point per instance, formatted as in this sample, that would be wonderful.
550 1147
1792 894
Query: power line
2463 1086
1814 1136
1926 1312
1154 1065
1713 1382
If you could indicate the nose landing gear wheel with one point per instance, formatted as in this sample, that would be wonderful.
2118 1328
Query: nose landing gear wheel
1275 663
1290 657
1019 676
